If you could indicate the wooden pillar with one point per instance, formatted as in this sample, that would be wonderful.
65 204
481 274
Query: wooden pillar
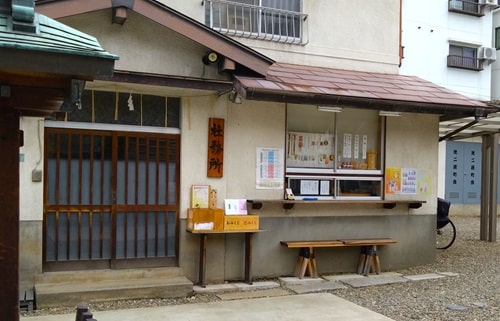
489 188
483 213
492 220
9 215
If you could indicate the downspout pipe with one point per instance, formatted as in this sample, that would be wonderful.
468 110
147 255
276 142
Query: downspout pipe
401 50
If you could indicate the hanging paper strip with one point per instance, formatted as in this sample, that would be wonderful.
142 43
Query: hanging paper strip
215 157
93 107
116 105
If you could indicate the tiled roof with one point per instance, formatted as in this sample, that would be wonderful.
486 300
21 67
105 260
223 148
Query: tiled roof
317 85
51 36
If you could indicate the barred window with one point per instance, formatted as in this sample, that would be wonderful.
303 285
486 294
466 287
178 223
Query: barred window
276 20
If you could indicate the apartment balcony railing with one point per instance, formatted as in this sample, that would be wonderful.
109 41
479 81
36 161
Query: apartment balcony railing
465 62
253 21
466 7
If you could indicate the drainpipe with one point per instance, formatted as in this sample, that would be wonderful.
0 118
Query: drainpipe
400 32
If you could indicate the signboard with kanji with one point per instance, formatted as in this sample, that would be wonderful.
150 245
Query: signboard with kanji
215 158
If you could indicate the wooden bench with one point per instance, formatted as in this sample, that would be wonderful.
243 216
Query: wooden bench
368 258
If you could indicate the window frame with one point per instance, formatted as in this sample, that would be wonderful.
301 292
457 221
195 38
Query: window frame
349 167
249 19
468 7
497 38
464 57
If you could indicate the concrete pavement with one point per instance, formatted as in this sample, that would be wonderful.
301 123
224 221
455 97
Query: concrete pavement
302 307
266 300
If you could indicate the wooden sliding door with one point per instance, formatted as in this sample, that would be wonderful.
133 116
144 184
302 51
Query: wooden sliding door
110 199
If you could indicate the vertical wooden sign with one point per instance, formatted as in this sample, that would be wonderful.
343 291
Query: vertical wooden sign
215 159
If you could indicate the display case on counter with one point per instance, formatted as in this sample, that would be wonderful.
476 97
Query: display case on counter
335 155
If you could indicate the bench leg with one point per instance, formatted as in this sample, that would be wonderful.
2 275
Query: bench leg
376 260
306 263
368 258
298 266
313 271
302 263
361 260
303 268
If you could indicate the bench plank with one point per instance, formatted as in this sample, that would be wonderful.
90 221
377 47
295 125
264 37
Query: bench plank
367 242
319 243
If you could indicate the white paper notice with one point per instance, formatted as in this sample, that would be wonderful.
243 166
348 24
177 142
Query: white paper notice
269 168
347 152
356 146
364 147
409 181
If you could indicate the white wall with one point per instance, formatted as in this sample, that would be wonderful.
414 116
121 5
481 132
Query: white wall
338 35
31 158
247 126
428 29
412 142
495 67
144 46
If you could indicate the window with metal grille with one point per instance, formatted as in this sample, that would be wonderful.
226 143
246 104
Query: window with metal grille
470 7
497 38
464 58
275 20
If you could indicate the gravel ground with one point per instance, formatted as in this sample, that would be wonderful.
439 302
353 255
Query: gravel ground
474 295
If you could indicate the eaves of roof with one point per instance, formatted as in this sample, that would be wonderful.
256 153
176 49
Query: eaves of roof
357 89
41 60
33 44
50 36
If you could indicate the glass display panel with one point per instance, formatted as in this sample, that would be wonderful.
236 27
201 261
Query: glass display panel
362 187
310 150
358 140
310 138
317 188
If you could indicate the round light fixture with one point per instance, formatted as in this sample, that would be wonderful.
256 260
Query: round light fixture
210 57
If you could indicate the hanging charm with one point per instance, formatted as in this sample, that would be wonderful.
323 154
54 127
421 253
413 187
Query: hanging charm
130 102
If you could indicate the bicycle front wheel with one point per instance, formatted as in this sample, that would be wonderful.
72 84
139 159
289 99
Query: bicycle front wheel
446 236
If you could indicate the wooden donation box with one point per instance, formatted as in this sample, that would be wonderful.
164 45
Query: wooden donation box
205 219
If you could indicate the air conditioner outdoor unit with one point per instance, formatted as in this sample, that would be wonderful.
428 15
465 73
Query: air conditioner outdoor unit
488 53
489 2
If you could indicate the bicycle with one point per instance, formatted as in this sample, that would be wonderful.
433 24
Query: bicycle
445 229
